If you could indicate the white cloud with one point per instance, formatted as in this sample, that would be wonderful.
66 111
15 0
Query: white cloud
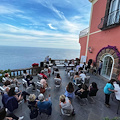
9 9
50 25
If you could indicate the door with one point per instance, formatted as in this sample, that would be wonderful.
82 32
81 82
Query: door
107 67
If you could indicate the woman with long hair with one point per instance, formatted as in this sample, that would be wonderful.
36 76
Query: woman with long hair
69 90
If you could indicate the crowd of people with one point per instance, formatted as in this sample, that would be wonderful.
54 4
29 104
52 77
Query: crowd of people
12 96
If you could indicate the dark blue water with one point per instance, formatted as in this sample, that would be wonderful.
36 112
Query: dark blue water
23 57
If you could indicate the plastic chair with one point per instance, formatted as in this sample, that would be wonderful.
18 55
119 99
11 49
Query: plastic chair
84 97
78 81
39 76
56 72
24 82
46 72
65 112
87 80
38 87
72 75
57 82
92 94
3 80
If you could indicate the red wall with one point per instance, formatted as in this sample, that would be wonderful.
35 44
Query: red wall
98 12
83 42
102 39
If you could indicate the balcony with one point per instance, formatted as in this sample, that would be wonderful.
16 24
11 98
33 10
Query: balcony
83 32
110 21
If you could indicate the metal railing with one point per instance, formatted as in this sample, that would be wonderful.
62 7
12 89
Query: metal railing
84 32
109 21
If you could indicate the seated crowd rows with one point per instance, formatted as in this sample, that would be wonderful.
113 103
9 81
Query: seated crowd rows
12 95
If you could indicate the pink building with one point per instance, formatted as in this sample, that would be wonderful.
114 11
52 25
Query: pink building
101 41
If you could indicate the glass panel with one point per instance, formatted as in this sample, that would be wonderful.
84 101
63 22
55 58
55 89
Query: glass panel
107 66
113 16
113 6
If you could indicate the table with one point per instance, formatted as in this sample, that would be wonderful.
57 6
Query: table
117 94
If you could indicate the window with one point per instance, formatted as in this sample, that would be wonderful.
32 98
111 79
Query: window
114 12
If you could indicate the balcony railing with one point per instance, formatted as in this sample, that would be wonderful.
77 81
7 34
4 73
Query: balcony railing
32 70
84 32
110 21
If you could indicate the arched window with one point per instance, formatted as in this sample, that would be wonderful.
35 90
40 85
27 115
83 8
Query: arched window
107 68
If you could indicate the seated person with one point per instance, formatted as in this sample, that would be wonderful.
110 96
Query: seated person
48 69
69 90
42 73
76 76
11 92
7 77
77 67
83 76
23 93
29 81
25 74
71 71
84 66
65 103
82 92
45 85
6 87
9 116
58 76
93 89
44 105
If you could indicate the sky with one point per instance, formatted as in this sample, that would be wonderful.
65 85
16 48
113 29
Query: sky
43 23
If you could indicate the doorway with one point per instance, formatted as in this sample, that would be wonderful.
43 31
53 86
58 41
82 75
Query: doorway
107 67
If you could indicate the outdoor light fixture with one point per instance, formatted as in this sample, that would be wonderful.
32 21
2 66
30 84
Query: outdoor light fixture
90 49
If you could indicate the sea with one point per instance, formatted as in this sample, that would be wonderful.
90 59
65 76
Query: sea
14 57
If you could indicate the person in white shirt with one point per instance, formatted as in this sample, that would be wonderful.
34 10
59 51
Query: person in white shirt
83 76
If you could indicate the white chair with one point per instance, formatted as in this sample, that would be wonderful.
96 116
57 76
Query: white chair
24 82
78 81
39 76
72 75
87 80
57 82
3 80
39 85
1 90
46 72
56 72
67 110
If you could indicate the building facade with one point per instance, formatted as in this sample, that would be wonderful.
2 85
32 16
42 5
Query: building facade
101 41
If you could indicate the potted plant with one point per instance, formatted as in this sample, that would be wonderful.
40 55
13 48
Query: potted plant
35 65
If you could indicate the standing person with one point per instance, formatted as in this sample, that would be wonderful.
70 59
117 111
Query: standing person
44 105
100 67
108 89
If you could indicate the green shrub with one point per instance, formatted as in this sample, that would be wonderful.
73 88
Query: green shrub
115 118
2 72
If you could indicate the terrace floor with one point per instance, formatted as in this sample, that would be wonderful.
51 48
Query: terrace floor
95 111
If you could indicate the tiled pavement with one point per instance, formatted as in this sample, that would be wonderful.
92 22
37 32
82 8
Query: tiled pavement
96 111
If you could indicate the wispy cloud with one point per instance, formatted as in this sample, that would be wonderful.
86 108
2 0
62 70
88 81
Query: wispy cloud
9 9
50 25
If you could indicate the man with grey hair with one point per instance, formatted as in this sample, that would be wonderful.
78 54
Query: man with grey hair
44 105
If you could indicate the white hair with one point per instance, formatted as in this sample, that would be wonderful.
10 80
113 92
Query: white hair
41 97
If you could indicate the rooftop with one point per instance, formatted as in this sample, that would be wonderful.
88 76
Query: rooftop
95 111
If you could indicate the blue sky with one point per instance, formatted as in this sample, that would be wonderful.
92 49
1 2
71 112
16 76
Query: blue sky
43 23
